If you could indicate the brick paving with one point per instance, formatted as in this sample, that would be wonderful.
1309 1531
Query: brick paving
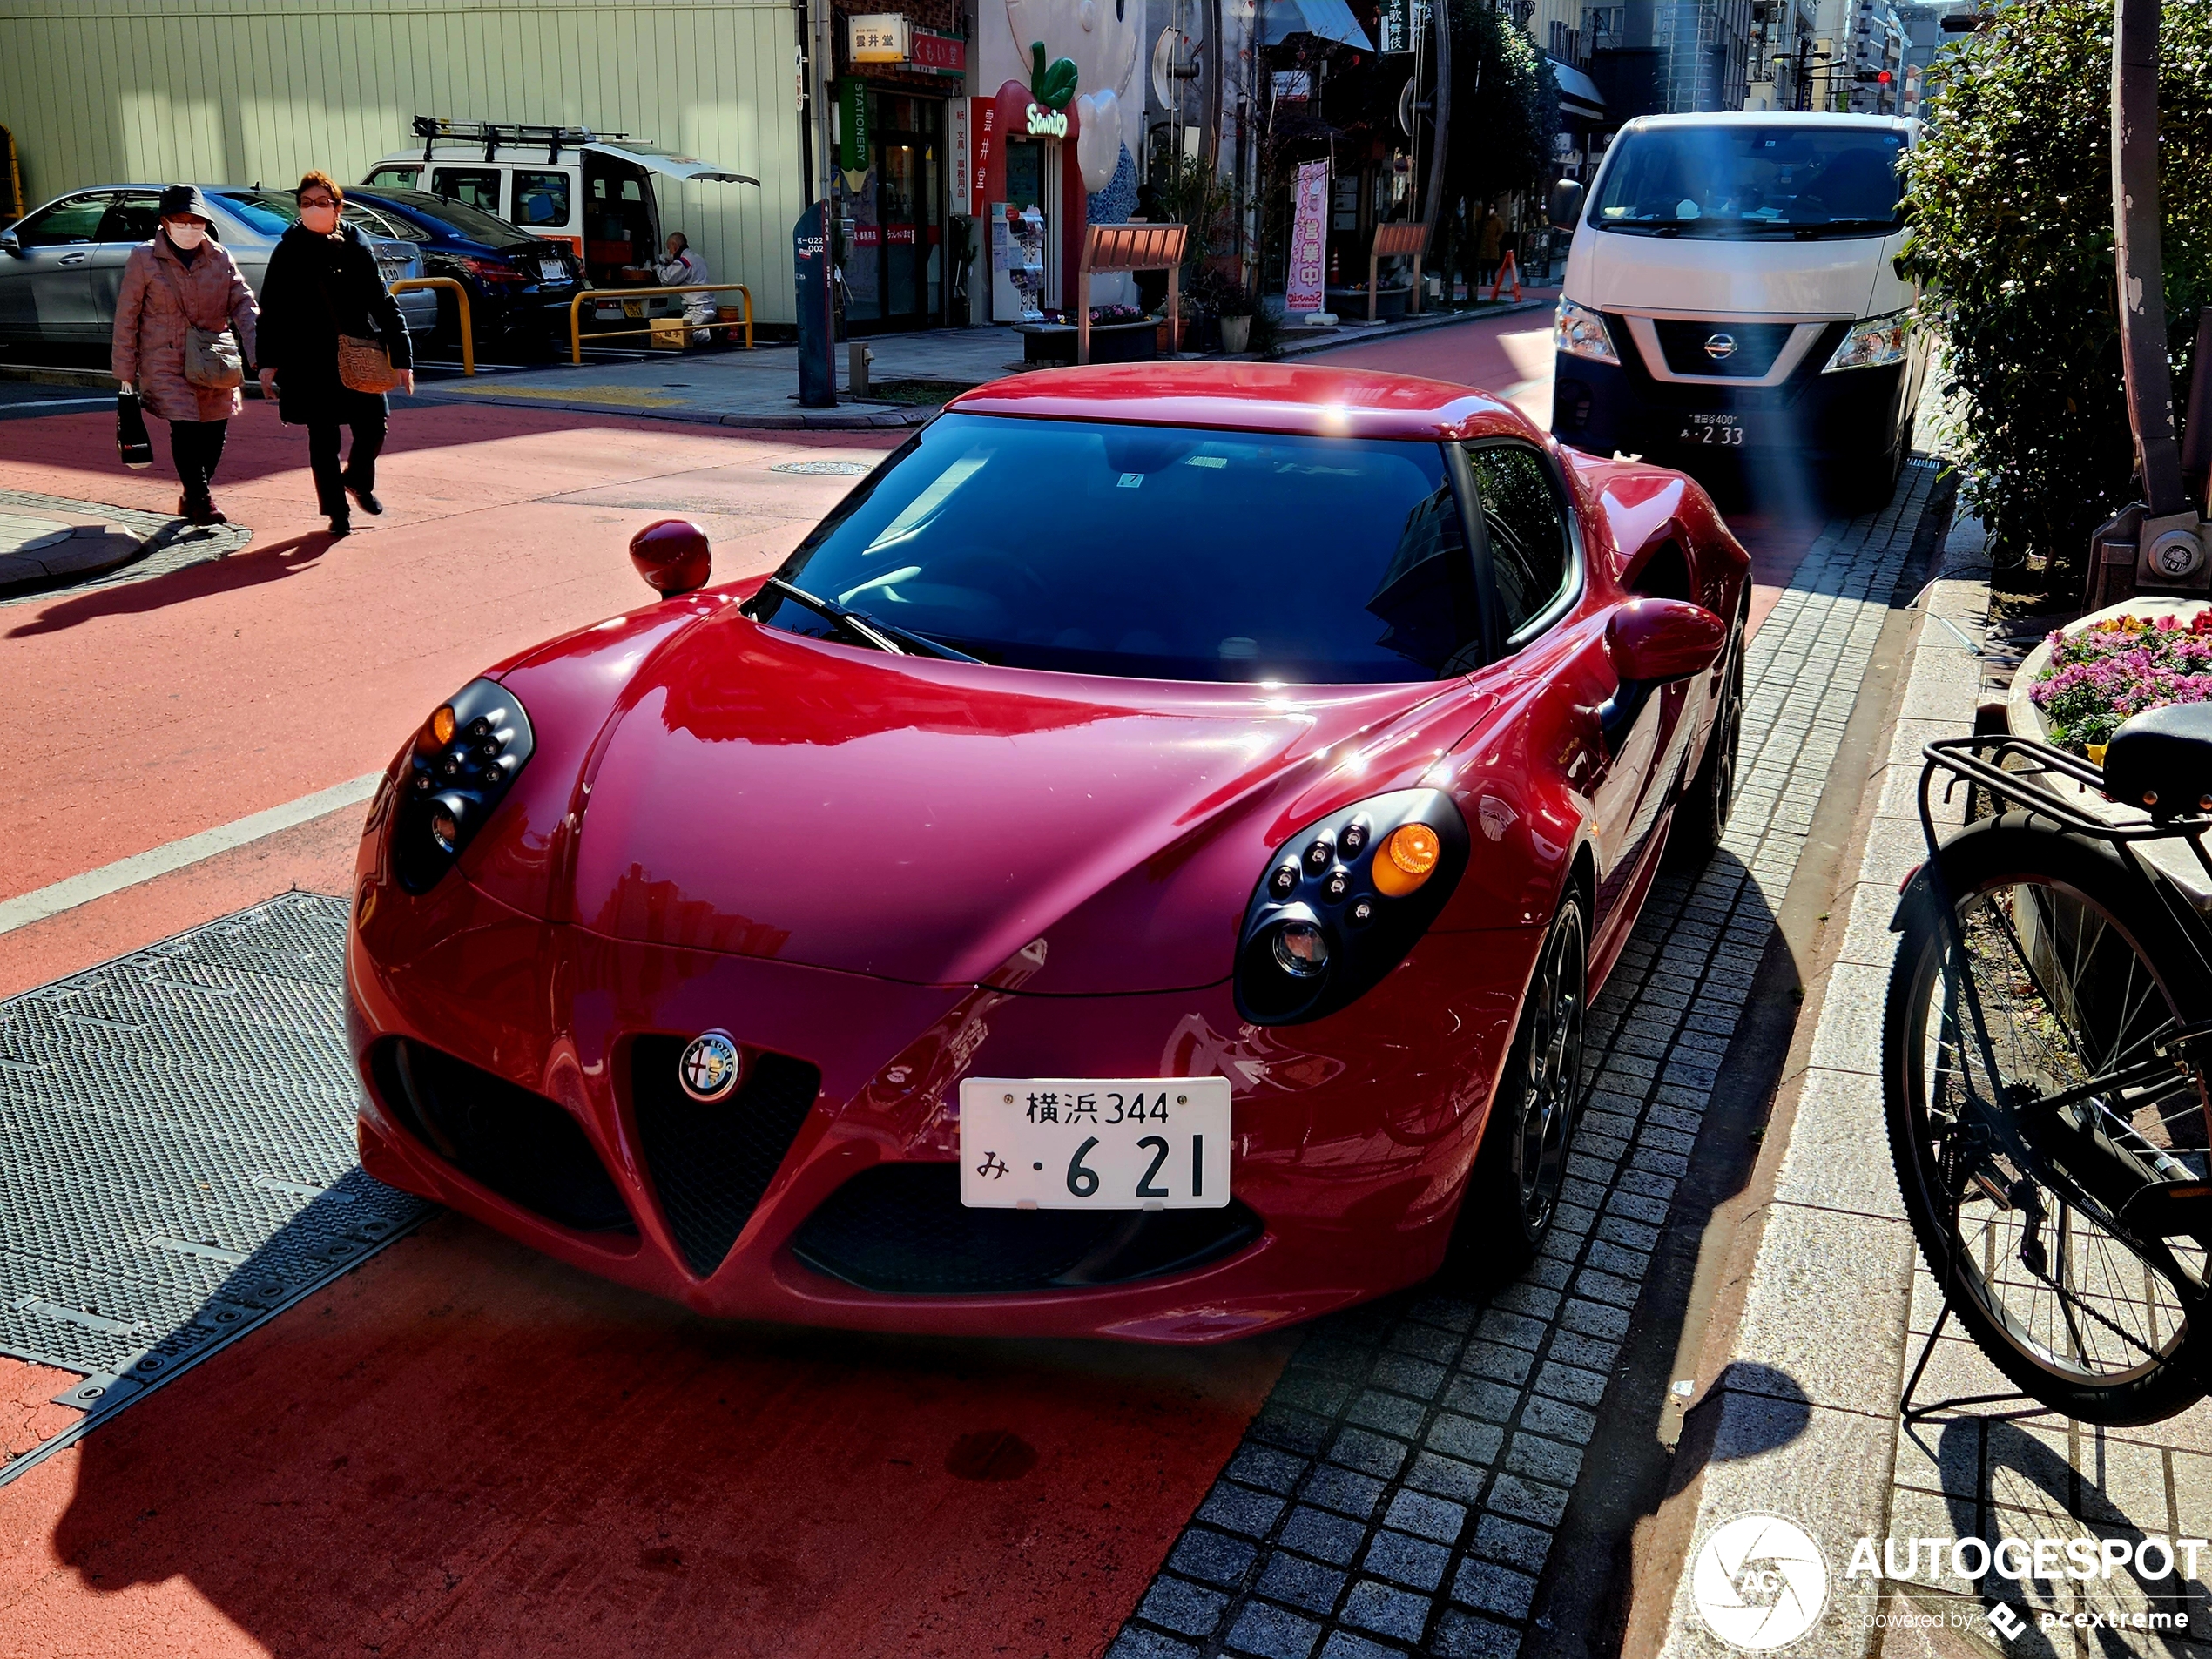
1401 1490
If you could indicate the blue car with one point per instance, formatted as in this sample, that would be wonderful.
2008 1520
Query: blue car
519 284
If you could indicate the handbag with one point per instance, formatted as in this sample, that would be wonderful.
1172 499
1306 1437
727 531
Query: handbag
131 441
363 365
212 361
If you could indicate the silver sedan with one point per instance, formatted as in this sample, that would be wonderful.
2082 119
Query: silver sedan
61 264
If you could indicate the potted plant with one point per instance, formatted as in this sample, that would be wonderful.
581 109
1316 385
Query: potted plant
1234 307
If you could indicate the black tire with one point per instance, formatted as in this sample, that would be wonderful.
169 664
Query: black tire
1512 1190
1700 817
2063 956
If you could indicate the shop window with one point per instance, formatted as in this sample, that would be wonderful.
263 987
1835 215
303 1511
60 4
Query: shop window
541 197
1529 555
471 186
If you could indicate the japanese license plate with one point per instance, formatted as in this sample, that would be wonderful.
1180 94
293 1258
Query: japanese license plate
552 271
1722 431
1094 1143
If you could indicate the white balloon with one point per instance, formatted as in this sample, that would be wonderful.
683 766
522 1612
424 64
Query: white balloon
1098 139
1086 14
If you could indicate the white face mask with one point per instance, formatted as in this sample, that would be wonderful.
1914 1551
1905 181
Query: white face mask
321 219
187 235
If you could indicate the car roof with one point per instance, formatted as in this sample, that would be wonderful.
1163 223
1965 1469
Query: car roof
1773 118
1253 397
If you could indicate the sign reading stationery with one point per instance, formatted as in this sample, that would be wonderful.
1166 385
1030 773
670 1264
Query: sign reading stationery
1309 240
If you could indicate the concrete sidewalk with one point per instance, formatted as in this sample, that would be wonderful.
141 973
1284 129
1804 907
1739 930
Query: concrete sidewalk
1826 1303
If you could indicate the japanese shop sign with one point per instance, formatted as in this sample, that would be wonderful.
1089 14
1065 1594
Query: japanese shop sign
1309 240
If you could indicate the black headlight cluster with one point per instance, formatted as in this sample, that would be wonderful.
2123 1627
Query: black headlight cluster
1343 901
464 757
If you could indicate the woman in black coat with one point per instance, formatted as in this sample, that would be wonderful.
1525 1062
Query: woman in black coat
323 282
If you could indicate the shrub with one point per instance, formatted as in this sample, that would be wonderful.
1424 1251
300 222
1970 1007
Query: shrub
2011 196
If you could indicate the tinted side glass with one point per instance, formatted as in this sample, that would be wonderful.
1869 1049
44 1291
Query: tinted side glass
471 186
541 197
394 178
130 218
1529 544
77 220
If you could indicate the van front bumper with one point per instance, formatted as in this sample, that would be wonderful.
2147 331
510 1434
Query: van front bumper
1853 416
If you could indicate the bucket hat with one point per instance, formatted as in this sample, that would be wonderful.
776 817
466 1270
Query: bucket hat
179 199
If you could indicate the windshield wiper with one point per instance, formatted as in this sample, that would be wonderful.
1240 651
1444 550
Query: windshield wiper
884 636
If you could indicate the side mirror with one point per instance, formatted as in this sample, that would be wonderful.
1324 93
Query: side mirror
1651 641
674 557
9 244
1565 206
1656 640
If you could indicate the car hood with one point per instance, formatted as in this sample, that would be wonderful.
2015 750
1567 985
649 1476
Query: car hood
935 822
1782 278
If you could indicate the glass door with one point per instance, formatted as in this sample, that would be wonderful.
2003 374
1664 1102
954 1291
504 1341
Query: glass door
896 278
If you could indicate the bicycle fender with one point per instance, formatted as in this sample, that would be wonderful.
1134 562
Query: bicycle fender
1918 886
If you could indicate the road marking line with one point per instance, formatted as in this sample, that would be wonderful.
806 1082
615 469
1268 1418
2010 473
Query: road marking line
52 402
25 908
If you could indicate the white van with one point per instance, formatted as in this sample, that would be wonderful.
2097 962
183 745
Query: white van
1732 296
564 184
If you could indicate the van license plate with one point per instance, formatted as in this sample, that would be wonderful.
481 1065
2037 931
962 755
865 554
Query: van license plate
1720 431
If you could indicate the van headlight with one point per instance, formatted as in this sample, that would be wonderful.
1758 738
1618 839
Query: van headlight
460 765
1579 331
1873 342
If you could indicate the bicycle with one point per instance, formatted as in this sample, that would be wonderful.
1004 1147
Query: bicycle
2045 1044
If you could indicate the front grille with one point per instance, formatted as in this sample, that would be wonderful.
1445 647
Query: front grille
901 1228
1757 346
527 1148
711 1164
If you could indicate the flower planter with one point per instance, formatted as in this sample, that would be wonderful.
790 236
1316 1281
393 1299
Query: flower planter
2023 719
1235 335
1110 342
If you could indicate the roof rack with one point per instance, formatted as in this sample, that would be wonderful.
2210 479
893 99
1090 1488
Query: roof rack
492 134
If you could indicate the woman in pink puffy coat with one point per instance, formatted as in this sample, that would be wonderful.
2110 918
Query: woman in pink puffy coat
183 279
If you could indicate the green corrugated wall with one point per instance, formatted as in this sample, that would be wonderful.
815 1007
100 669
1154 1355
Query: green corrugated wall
222 92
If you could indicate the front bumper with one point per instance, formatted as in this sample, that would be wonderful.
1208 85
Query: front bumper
1854 417
1352 1135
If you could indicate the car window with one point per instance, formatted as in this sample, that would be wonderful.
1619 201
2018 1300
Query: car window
132 217
65 222
476 187
390 226
269 212
1530 554
541 197
469 221
1155 552
393 178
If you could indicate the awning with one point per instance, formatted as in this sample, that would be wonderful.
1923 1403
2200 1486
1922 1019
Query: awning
668 165
1578 93
1326 19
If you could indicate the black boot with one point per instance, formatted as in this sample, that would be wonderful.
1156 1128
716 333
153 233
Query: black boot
340 524
369 504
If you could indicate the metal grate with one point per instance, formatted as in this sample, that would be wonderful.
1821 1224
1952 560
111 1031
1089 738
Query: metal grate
177 1155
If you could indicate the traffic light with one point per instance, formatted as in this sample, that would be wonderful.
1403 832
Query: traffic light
1879 77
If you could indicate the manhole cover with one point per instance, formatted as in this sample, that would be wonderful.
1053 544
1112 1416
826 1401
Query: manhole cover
825 468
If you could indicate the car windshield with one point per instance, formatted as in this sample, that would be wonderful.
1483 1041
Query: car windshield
1151 552
1737 180
471 222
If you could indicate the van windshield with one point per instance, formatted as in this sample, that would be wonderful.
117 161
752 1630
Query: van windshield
1733 181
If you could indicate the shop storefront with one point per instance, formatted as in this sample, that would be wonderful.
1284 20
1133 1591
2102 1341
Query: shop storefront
900 110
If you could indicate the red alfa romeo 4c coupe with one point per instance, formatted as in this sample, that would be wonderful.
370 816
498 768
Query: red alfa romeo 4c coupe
1138 869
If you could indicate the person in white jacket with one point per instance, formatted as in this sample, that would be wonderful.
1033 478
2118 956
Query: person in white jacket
680 268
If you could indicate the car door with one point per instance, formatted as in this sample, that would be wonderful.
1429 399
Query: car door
1535 570
132 217
46 283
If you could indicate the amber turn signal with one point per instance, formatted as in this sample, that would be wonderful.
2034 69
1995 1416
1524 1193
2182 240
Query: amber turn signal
442 726
1407 857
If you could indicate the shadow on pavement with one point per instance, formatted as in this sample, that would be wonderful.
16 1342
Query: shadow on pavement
247 567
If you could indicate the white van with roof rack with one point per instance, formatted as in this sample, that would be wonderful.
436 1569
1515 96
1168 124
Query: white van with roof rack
593 191
1733 296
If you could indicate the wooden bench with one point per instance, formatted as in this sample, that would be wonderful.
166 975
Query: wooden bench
1129 247
1392 242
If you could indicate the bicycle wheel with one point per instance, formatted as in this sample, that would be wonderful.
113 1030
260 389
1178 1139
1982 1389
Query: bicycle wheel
2066 967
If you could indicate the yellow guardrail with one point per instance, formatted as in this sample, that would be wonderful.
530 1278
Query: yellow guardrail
461 298
576 313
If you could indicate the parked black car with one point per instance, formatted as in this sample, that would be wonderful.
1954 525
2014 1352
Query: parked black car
519 284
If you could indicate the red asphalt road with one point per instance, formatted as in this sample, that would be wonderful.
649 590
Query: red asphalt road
461 1447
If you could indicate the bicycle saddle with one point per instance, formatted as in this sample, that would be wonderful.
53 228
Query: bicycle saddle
2161 760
